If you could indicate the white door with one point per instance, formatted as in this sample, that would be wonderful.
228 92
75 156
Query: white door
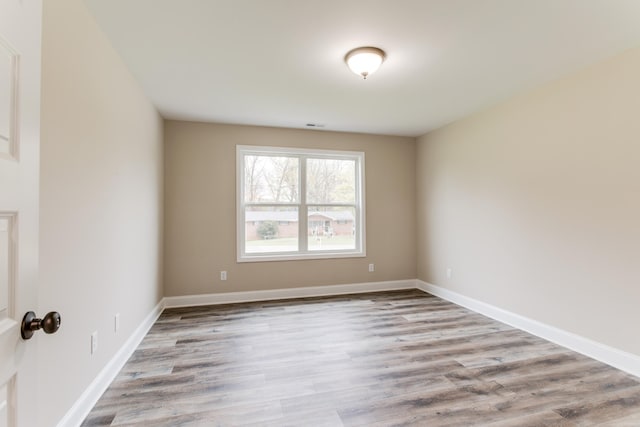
20 34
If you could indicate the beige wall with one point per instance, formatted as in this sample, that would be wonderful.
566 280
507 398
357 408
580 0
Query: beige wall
200 213
101 197
535 204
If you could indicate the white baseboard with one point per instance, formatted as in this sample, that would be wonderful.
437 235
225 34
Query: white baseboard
90 396
622 360
275 294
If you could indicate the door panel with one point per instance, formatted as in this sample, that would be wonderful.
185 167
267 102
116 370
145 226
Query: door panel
4 413
8 99
20 33
6 250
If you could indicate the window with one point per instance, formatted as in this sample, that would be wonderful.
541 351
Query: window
299 203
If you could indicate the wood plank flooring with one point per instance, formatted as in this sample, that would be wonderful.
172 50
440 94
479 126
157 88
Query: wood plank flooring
380 359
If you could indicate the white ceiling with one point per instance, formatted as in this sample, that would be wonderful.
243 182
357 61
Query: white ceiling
280 62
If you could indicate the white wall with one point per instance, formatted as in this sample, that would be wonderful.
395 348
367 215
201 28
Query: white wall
101 197
535 204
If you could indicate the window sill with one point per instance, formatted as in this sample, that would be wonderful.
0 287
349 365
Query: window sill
300 257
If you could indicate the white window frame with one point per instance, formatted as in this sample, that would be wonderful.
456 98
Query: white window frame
303 206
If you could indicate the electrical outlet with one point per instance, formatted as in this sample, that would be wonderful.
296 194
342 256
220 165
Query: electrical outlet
223 275
449 272
116 322
372 268
94 342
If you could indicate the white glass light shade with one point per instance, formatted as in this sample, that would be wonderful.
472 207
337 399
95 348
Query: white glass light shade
364 61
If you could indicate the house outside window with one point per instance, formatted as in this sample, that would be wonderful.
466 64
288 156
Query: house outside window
299 204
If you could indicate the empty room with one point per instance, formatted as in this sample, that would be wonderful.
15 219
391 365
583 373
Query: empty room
336 213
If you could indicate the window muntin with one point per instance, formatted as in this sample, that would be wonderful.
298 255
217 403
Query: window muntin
299 203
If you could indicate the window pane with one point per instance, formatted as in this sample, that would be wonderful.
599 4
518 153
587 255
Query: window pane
271 229
271 179
331 181
331 228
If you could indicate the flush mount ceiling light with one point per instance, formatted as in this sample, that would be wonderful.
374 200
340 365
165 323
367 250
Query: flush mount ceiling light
364 61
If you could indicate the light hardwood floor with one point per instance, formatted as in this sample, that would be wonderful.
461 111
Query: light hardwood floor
378 359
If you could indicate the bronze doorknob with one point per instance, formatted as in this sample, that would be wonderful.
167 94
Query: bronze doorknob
49 324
